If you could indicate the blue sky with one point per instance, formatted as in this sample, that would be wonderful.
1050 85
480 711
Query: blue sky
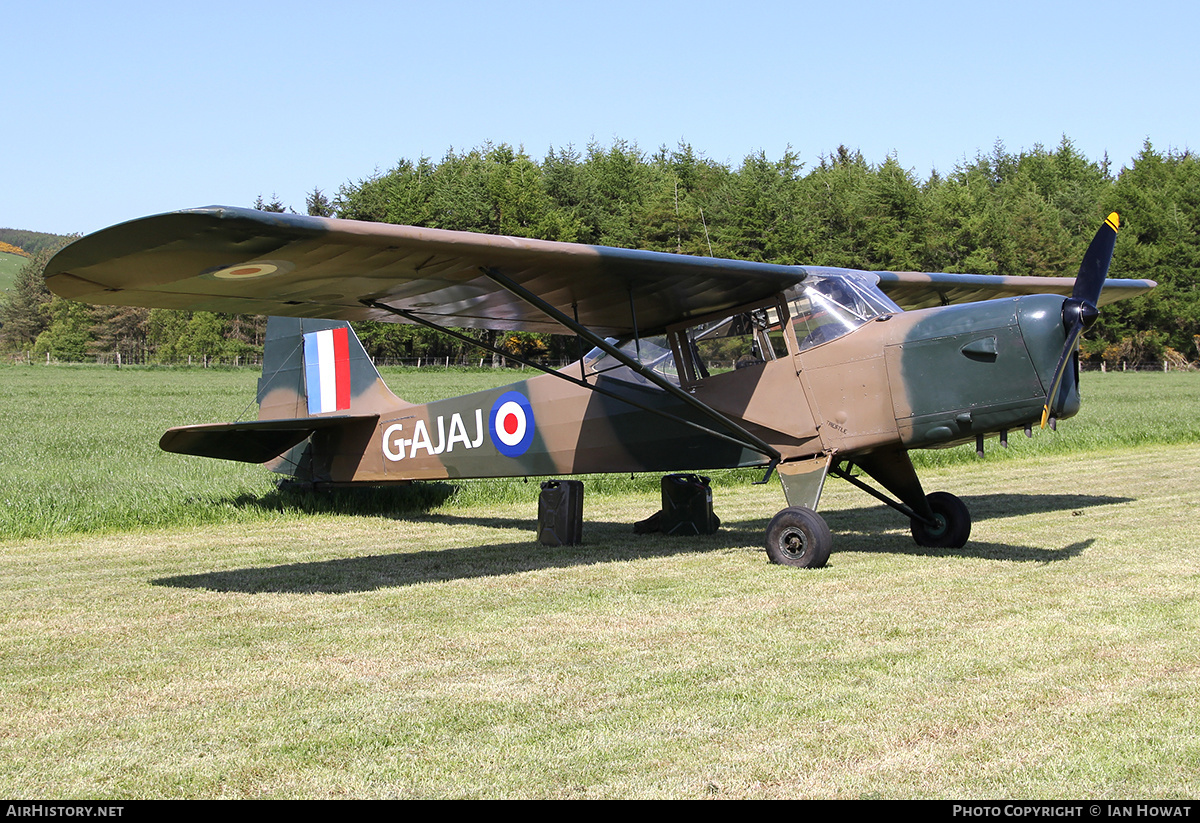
122 109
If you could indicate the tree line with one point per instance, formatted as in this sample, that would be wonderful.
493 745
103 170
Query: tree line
30 242
1031 212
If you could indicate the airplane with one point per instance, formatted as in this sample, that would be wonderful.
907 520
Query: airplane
839 372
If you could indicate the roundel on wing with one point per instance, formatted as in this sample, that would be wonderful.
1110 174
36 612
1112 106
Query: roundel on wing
249 271
511 424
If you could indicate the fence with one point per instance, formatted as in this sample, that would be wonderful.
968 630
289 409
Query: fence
1157 365
255 360
117 359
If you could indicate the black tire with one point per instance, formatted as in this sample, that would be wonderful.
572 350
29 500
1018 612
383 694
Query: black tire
954 523
799 537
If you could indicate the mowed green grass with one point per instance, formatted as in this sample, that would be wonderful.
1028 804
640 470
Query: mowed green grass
237 643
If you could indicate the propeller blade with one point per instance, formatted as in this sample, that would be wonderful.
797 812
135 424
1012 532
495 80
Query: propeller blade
1061 370
1094 268
1079 312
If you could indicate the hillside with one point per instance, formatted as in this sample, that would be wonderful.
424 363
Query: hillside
30 241
10 264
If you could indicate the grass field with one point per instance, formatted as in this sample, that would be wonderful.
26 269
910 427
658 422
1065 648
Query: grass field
173 627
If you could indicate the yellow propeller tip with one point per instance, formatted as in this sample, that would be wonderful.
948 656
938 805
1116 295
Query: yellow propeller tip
1114 221
1045 415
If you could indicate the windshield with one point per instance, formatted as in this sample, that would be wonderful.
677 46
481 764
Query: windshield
833 302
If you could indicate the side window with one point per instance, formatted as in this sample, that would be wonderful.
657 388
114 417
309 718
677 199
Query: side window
652 352
749 338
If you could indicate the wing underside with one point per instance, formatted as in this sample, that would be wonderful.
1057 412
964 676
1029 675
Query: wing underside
248 262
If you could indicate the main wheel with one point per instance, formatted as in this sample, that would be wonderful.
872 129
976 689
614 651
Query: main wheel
953 523
799 537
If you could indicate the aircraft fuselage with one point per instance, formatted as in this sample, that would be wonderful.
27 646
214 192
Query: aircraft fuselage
918 379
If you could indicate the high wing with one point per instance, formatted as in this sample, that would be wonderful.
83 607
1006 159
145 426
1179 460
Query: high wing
921 290
243 261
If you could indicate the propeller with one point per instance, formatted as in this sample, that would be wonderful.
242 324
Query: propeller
1080 310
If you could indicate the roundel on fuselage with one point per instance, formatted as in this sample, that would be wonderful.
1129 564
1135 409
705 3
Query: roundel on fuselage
511 424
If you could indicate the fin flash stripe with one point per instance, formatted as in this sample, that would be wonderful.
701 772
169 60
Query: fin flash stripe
327 370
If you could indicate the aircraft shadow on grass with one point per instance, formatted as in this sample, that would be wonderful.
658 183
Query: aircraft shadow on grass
397 502
864 530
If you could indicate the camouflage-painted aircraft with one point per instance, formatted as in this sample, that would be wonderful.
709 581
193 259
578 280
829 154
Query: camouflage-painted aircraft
839 372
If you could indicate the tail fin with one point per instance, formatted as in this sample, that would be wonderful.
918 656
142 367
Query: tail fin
313 367
319 399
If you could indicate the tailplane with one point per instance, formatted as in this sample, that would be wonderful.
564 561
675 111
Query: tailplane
319 391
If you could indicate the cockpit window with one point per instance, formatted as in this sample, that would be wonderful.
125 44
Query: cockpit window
651 352
826 306
749 338
746 339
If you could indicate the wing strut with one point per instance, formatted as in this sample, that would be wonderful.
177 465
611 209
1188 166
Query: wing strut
741 435
746 440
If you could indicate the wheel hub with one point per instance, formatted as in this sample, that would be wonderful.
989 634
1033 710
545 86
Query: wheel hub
795 543
940 525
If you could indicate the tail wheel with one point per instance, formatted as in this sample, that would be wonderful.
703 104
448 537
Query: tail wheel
953 523
799 537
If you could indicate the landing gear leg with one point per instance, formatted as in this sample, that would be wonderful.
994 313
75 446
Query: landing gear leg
939 520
